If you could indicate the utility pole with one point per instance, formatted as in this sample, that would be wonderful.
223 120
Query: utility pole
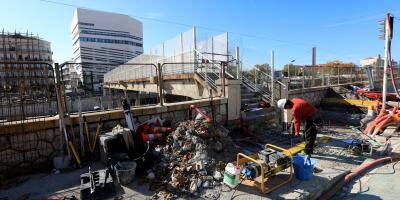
387 30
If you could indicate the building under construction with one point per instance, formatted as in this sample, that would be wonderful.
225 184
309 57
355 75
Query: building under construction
26 74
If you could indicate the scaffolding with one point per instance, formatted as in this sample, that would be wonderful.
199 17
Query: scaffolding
26 77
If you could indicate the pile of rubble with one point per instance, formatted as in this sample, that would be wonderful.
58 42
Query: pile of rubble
192 160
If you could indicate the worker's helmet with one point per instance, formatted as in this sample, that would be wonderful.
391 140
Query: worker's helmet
281 103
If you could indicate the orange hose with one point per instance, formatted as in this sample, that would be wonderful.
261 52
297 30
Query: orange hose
355 173
379 127
372 124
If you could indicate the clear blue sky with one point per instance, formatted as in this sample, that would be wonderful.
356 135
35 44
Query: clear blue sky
340 29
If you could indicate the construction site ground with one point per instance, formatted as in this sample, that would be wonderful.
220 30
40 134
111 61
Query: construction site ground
332 157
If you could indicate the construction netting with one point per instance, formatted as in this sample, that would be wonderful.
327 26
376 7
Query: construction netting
183 51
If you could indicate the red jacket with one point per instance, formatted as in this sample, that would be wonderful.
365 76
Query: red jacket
301 111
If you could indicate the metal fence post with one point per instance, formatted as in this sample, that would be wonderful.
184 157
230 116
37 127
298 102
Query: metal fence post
272 78
303 73
223 77
61 114
237 63
160 84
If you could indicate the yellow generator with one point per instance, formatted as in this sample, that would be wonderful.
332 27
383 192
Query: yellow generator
258 169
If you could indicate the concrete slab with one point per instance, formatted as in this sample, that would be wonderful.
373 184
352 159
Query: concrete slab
381 183
331 157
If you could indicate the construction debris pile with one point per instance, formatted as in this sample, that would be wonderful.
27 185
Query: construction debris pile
192 160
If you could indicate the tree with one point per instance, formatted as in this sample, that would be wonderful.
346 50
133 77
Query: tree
337 66
295 70
255 74
261 67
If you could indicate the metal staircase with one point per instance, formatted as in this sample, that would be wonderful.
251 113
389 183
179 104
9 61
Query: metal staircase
254 87
261 83
210 70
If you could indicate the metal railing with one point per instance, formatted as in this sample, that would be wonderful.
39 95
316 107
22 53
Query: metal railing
210 71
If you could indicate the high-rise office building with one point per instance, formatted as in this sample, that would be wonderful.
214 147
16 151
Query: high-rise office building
103 37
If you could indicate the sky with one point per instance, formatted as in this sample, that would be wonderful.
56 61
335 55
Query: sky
345 30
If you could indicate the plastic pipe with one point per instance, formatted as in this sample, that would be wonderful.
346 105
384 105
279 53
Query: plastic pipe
372 124
380 126
208 119
376 122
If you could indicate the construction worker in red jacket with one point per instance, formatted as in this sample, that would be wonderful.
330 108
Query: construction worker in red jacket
302 111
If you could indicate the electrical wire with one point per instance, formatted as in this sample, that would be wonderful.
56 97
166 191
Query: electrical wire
147 150
262 37
235 189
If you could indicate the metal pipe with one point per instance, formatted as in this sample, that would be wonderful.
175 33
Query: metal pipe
160 84
387 46
272 78
61 114
237 63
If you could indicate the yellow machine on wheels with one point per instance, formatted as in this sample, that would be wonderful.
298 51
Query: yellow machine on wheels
266 164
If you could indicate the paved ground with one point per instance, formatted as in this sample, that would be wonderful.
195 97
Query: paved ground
380 183
330 156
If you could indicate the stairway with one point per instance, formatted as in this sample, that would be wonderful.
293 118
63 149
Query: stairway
250 104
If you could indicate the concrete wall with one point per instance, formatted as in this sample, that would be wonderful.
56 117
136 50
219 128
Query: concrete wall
27 151
233 93
32 144
312 95
183 87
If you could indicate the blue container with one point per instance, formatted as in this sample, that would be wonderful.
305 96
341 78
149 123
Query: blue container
303 170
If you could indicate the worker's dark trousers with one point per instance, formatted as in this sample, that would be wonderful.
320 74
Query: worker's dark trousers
310 135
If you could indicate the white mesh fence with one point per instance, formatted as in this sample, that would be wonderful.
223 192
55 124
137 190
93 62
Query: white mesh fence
182 50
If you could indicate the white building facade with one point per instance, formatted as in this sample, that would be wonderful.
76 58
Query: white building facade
108 39
376 61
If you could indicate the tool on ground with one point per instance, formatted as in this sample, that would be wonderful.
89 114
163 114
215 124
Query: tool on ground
87 132
96 135
258 169
76 155
92 145
358 147
130 121
98 184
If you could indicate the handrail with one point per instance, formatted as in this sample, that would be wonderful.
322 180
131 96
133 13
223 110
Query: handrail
270 77
254 87
226 71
